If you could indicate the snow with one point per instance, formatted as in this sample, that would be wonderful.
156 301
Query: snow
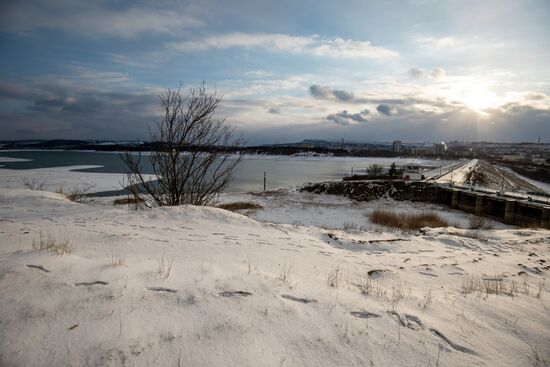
201 286
62 178
458 174
541 185
10 159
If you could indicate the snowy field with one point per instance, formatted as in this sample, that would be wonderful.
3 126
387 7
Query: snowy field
306 280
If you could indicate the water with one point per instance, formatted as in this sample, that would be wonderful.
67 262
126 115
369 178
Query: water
281 171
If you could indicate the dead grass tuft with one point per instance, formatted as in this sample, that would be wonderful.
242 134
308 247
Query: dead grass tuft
499 286
240 206
164 268
33 184
52 244
128 201
407 222
479 223
79 194
334 277
116 261
284 275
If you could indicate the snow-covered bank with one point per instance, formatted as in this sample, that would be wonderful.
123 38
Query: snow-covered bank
196 286
57 179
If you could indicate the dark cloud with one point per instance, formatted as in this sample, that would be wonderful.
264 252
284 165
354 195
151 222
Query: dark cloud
345 118
516 124
274 110
415 73
322 92
92 18
62 109
386 109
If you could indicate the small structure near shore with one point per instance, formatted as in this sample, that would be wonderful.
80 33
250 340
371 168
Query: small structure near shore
413 172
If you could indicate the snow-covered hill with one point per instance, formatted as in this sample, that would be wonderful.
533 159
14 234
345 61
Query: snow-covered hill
199 286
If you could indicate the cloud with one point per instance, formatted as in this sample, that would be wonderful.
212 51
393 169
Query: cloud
274 110
386 109
92 18
278 42
258 74
437 73
323 92
74 107
344 118
436 42
415 73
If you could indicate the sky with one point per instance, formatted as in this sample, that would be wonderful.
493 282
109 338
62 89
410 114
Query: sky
416 70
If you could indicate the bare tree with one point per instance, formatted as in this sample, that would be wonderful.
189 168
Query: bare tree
193 157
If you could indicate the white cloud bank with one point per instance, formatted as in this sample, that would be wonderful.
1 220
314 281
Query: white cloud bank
310 45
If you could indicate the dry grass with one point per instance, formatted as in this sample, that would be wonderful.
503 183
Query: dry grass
369 286
407 222
52 244
479 223
240 206
164 268
116 261
284 275
334 277
128 201
393 296
79 194
33 184
499 286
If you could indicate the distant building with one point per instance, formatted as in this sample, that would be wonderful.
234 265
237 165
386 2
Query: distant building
512 157
422 151
397 146
440 148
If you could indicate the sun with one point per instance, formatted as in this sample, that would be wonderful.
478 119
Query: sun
478 97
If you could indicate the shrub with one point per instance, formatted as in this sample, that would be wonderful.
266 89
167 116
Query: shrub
408 222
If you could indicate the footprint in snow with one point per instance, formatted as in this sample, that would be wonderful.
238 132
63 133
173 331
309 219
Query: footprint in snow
161 289
298 299
89 284
413 322
235 294
364 314
457 347
428 274
39 267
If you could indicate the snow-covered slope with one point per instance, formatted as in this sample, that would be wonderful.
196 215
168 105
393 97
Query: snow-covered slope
193 286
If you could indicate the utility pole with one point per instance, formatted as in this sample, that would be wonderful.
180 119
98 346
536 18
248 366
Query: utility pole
265 181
